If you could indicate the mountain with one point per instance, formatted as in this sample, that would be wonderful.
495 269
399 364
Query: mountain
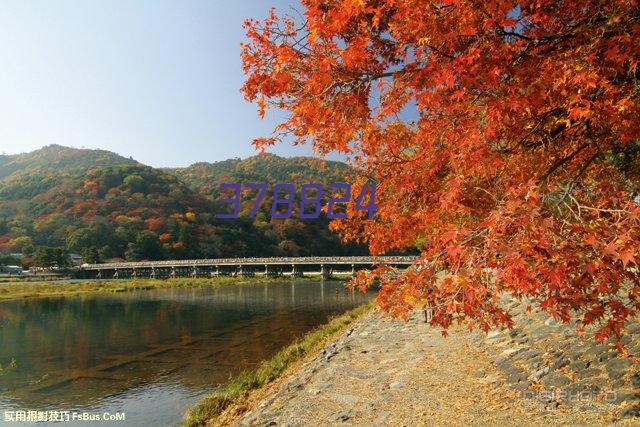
29 174
266 168
107 206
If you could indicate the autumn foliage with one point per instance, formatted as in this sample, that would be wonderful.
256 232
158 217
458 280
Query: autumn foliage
504 137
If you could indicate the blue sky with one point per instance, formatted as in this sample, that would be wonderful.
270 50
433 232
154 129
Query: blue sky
156 80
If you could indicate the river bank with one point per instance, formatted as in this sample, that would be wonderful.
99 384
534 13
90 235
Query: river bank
234 396
383 371
19 290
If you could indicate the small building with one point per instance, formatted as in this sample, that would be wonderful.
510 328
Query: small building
11 269
75 259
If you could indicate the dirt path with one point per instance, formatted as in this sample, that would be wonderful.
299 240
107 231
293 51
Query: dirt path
387 372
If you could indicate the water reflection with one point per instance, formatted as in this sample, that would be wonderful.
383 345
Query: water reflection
151 353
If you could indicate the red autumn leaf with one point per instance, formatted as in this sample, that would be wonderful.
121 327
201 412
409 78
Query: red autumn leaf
627 257
523 138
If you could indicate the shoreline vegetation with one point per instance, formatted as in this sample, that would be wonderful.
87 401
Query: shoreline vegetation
20 290
245 384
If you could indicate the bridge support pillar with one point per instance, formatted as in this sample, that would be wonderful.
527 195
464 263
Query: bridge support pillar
296 272
153 273
115 274
325 271
353 269
173 273
194 272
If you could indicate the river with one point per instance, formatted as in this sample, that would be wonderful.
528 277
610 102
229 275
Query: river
149 354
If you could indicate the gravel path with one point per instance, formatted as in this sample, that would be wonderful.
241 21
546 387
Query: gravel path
388 372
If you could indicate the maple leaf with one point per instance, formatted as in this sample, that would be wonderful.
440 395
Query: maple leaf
627 257
535 167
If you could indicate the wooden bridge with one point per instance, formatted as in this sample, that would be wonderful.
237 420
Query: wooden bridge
272 267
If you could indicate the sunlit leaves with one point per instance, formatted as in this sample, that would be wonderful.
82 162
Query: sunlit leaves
517 173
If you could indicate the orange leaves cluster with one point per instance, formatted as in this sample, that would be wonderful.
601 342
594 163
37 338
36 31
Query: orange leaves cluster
155 223
518 172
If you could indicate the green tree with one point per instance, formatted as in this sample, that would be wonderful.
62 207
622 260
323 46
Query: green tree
146 247
8 260
81 239
91 255
135 183
48 257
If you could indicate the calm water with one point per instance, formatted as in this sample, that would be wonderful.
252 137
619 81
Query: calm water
150 354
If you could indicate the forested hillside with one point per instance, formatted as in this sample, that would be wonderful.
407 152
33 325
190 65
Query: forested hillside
105 206
267 168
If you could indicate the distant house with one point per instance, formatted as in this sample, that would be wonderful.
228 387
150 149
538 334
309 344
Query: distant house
76 259
10 269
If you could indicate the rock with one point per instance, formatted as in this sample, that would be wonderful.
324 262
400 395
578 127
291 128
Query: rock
631 412
555 379
550 321
530 354
511 351
556 353
480 373
515 375
540 331
295 386
597 350
521 386
396 384
359 374
535 363
585 386
635 379
574 355
587 373
343 416
559 363
515 332
616 375
493 335
540 373
505 364
579 365
607 356
625 396
617 368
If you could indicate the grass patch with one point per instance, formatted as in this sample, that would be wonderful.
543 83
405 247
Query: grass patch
29 290
239 387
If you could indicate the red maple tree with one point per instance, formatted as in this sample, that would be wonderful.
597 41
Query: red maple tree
516 172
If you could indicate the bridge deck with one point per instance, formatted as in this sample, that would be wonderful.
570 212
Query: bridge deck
348 260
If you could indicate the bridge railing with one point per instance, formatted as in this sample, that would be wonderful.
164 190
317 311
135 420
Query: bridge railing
255 261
